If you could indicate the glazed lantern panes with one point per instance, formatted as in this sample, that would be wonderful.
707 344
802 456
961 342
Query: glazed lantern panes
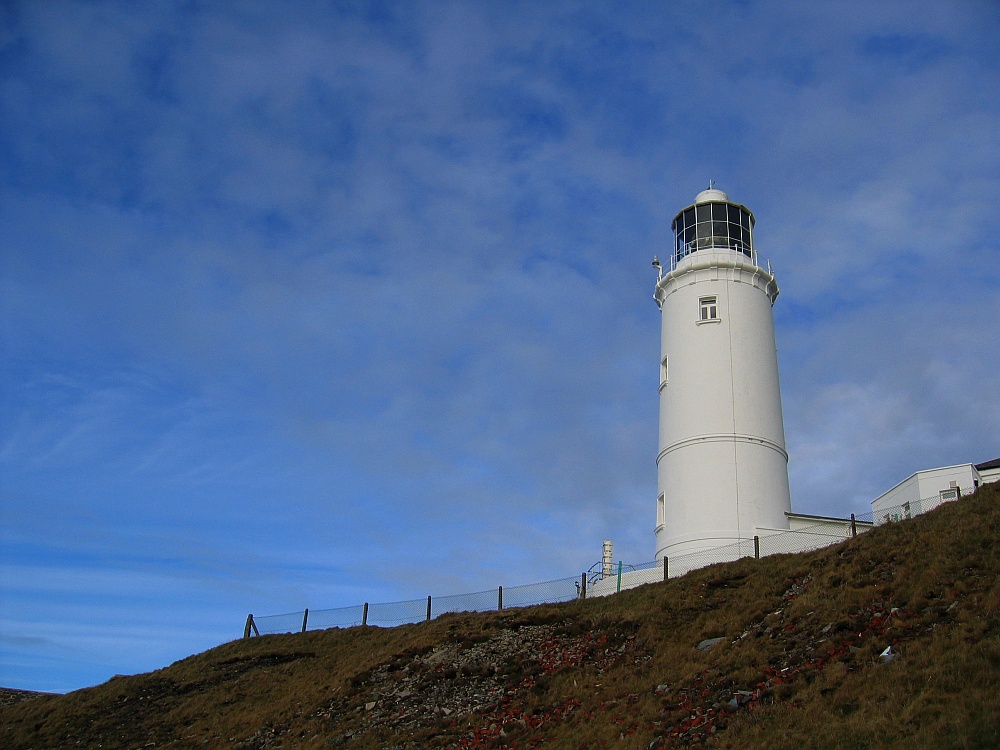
713 225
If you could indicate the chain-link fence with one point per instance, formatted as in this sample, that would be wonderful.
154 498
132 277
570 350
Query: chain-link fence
622 577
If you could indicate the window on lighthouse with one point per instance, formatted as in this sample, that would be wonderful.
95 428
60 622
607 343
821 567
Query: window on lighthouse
709 308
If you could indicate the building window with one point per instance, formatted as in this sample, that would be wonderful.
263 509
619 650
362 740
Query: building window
947 495
664 371
709 308
659 510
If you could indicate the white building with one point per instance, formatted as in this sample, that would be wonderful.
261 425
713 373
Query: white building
722 468
927 489
989 471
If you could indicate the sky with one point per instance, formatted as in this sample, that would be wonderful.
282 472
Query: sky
310 304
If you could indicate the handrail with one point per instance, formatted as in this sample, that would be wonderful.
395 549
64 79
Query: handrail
712 243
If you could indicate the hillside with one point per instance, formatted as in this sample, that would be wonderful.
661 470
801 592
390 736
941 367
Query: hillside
782 652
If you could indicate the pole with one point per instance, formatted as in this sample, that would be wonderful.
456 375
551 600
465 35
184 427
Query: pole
665 576
364 615
756 547
583 586
250 624
619 577
854 525
428 609
305 618
499 598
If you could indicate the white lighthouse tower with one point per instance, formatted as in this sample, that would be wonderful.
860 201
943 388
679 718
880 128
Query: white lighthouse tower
722 468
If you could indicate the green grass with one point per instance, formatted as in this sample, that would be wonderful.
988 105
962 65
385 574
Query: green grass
802 638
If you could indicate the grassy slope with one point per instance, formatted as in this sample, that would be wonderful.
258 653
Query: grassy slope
802 635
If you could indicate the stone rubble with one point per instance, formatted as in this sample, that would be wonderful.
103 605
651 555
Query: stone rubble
493 677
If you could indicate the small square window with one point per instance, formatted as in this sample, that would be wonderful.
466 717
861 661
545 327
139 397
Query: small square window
709 308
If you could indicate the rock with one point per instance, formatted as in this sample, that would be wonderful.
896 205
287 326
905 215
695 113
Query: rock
708 643
369 706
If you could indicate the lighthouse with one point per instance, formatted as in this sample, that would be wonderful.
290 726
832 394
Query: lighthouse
722 468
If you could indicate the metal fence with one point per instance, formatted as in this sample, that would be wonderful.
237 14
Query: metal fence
622 577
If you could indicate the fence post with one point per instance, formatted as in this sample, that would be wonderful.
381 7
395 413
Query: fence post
854 526
364 615
665 576
583 586
250 624
499 598
305 619
428 609
619 577
756 547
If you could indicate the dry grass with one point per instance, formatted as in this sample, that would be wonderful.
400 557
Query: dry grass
802 635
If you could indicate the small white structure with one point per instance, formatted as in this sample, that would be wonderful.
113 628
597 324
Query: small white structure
722 468
989 471
841 526
607 559
927 489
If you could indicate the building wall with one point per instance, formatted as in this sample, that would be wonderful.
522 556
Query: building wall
922 492
906 492
840 526
989 475
722 467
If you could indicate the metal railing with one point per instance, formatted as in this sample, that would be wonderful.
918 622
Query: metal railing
588 584
711 243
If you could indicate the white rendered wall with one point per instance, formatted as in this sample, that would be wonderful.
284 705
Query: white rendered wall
989 475
722 469
921 492
841 526
907 491
933 481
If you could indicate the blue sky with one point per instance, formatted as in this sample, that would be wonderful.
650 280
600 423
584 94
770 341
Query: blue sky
309 304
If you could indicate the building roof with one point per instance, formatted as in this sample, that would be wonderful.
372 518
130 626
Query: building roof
712 194
806 516
994 464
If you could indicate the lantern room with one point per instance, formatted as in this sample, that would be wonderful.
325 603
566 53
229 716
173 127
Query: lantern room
713 222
